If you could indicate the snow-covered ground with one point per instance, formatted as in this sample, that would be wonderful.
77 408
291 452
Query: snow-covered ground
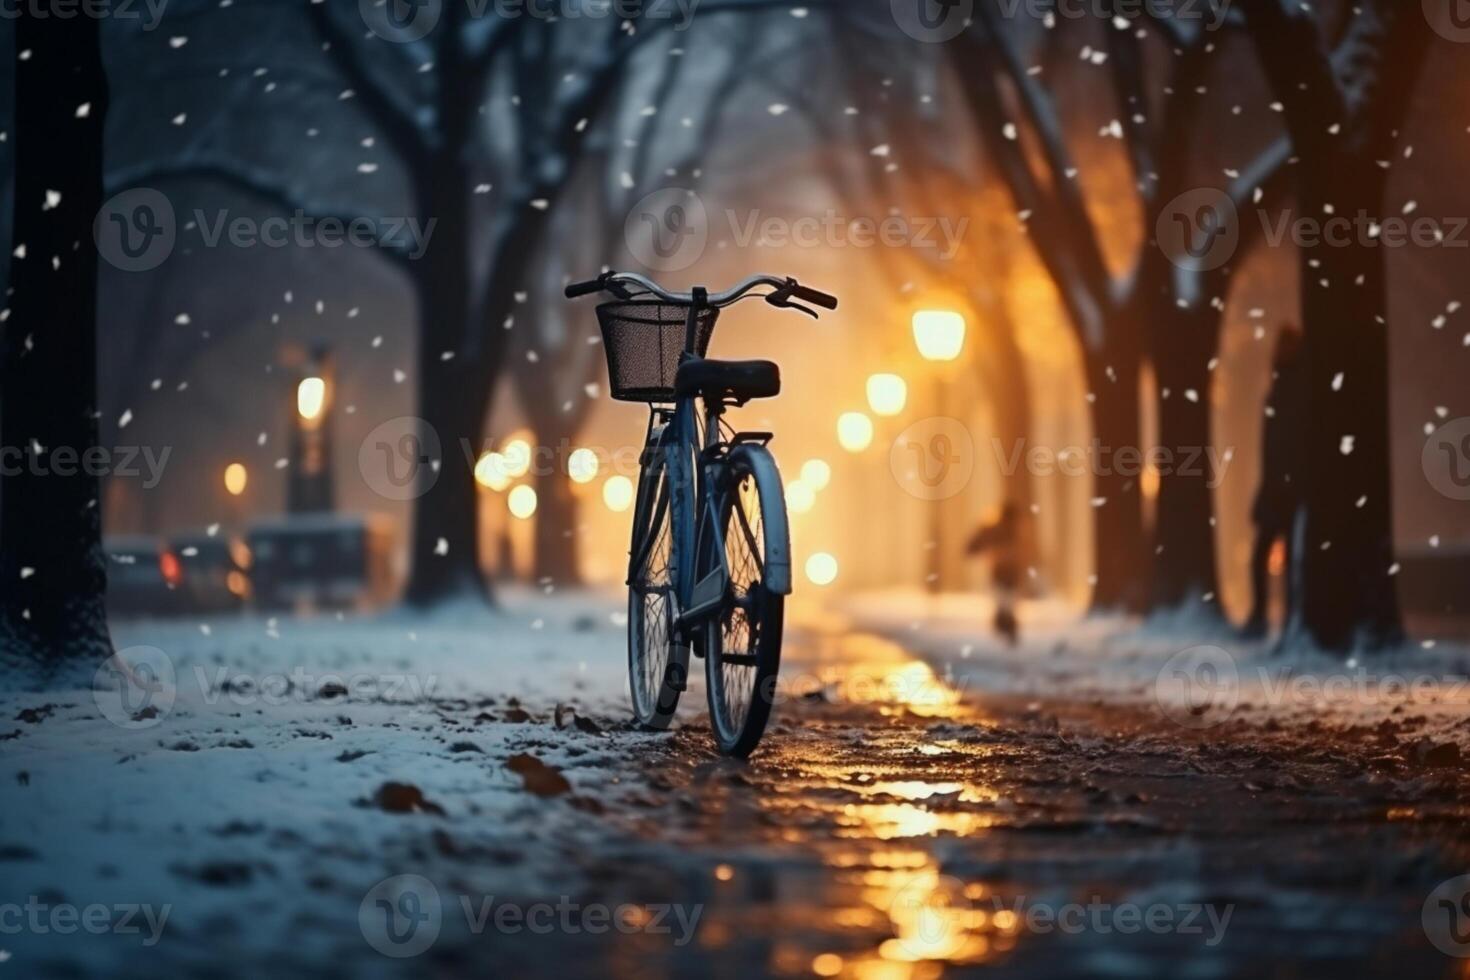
1190 671
247 759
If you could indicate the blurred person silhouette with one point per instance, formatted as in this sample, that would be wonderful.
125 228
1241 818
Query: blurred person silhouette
1278 499
1001 540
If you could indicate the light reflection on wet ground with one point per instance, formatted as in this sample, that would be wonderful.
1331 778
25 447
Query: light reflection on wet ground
889 828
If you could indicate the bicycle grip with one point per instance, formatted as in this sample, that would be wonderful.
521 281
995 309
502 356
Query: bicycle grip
816 297
576 289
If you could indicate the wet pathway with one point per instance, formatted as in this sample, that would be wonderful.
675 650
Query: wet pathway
889 829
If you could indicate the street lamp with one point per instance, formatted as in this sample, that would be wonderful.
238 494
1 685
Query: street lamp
940 337
887 394
854 431
309 486
939 334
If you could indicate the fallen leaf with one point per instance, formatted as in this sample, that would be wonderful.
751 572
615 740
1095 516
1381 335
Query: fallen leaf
539 778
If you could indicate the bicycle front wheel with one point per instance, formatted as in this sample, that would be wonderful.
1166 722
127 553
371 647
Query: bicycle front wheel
658 663
742 642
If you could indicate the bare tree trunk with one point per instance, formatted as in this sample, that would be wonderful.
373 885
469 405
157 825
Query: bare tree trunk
1123 554
1184 562
1347 594
53 574
1344 111
453 392
556 529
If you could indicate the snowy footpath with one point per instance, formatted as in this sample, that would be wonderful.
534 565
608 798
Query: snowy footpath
231 791
1189 671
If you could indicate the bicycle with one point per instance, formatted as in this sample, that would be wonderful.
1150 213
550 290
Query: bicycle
709 566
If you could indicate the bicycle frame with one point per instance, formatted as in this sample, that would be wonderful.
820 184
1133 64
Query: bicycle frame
679 436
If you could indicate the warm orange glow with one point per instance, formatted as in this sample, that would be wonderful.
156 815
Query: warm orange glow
724 872
827 965
1277 560
887 394
854 431
939 334
617 493
517 453
522 501
491 472
311 398
170 568
821 568
816 474
236 477
582 465
800 497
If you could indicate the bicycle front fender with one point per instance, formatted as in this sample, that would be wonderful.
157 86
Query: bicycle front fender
777 571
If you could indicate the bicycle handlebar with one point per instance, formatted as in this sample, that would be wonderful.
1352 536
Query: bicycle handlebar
783 287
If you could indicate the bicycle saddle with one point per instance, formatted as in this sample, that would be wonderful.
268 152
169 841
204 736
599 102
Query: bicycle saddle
741 380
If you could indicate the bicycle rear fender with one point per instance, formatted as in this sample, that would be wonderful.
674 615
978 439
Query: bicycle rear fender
777 572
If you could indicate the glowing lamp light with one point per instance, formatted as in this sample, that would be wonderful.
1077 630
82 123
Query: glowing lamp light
887 394
582 465
311 398
816 474
236 477
800 497
821 568
517 453
490 472
854 431
617 493
939 334
522 502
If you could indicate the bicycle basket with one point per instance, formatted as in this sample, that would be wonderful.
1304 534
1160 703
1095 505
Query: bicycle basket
644 342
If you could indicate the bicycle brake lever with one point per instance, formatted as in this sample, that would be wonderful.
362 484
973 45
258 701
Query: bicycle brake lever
781 296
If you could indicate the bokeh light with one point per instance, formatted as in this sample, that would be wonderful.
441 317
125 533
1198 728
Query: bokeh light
617 493
821 568
939 334
854 431
491 472
887 394
522 501
816 474
236 477
800 497
582 465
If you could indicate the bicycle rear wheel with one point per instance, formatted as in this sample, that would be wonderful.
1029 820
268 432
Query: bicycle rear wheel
658 663
742 641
